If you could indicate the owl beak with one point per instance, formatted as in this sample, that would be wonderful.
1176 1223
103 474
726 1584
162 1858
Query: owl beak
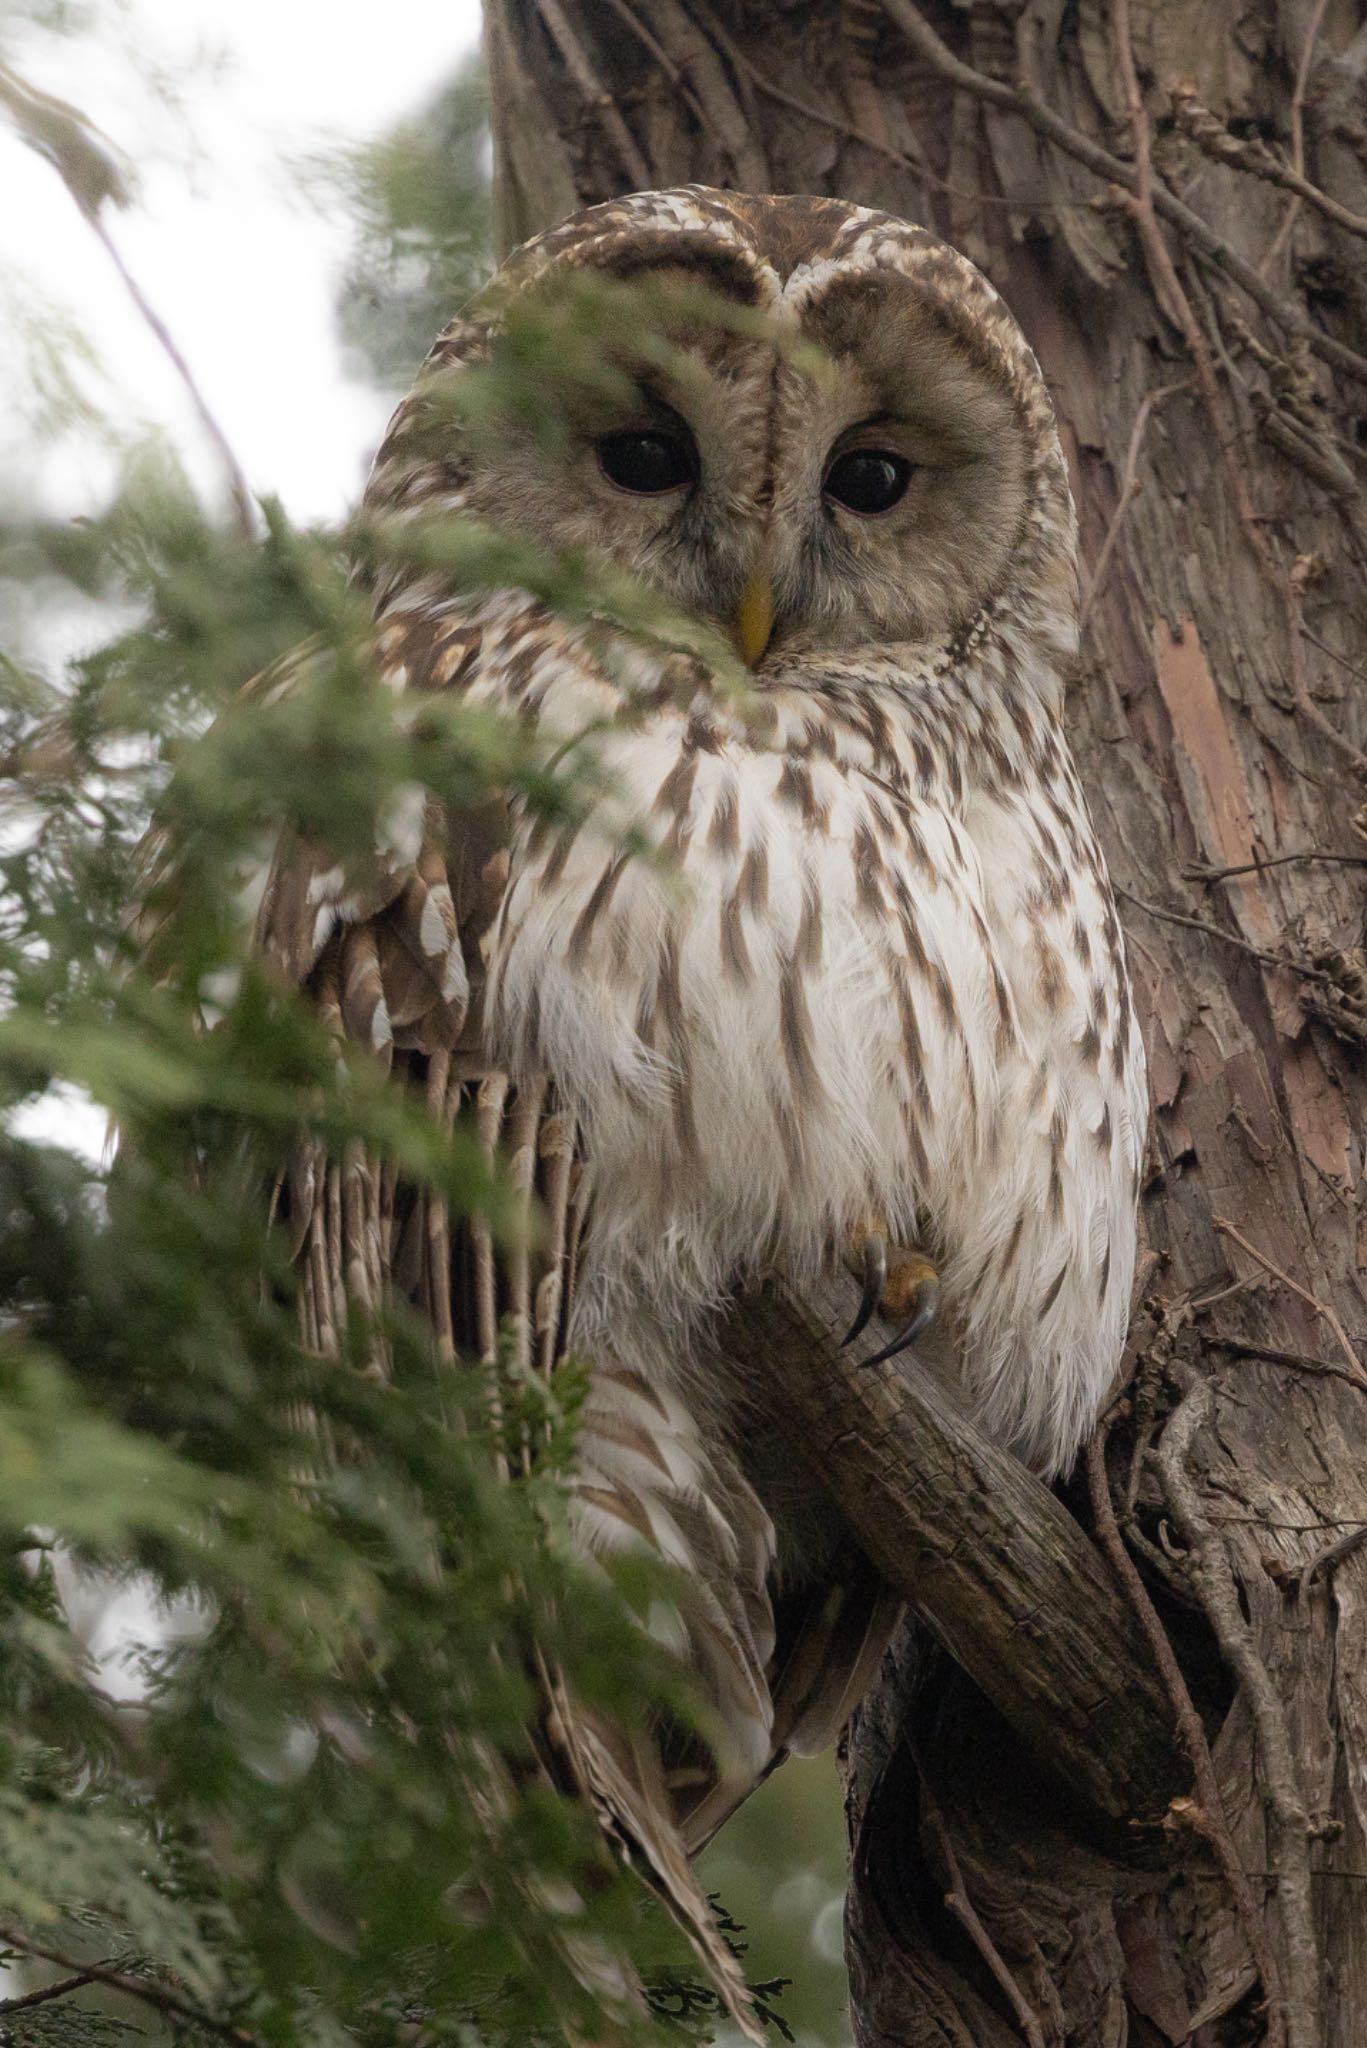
755 616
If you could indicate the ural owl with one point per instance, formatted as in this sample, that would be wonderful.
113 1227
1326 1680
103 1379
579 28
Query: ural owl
870 1002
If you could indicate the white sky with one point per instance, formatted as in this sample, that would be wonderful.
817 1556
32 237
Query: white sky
239 262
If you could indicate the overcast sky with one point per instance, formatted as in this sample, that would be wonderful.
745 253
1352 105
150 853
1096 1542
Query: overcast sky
215 102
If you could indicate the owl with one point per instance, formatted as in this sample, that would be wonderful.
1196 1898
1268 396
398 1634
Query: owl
832 972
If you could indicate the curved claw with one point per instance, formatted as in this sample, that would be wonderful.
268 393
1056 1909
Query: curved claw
875 1279
924 1315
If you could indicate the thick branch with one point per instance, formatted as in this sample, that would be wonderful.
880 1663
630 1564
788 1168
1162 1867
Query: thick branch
988 1558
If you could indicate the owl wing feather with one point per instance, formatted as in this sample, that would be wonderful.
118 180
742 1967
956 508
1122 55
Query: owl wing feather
394 955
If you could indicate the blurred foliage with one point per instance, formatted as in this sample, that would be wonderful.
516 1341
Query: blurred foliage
422 200
779 1864
319 1813
308 1811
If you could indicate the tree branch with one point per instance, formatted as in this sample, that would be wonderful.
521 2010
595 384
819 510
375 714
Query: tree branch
983 1552
147 1989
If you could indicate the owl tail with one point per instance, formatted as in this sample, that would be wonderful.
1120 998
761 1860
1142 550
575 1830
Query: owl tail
620 1779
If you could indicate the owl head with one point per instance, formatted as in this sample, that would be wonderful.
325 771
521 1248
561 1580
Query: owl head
815 426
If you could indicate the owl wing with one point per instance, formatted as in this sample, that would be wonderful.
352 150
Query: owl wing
394 954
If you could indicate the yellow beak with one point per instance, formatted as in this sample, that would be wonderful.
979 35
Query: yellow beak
755 618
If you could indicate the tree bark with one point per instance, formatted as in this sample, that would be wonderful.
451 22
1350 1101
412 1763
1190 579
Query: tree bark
1173 200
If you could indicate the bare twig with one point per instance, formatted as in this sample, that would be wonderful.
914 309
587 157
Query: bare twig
45 1993
823 118
1129 489
1358 674
727 121
1247 153
147 1989
1312 33
1283 1800
238 489
1199 233
1322 1309
1273 860
962 1907
1332 1554
1213 1822
1286 961
1295 1361
595 92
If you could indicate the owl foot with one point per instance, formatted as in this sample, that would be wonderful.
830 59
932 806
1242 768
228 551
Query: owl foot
900 1281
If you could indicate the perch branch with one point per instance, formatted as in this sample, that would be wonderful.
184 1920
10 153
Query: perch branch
982 1551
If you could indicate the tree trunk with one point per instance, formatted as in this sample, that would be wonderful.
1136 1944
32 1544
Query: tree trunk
1173 200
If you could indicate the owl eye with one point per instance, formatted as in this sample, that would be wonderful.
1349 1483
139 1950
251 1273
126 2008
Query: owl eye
868 480
647 464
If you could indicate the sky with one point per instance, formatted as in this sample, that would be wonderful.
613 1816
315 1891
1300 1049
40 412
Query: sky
219 104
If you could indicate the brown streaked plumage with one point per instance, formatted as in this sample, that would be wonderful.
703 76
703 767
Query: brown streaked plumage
885 979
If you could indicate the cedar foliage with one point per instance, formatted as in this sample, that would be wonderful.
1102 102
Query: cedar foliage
305 1810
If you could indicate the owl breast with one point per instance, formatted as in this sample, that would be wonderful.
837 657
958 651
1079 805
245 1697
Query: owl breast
827 991
719 1015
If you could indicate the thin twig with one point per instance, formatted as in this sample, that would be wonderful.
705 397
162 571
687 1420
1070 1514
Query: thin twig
1332 1554
961 1906
1247 153
1199 233
1320 1308
594 92
1129 489
1273 860
46 1992
1284 1803
1358 674
238 488
1312 35
1213 1822
1170 293
145 1988
1286 961
1166 283
1296 1361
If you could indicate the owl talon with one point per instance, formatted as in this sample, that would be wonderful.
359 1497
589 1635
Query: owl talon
905 1286
924 1316
875 1279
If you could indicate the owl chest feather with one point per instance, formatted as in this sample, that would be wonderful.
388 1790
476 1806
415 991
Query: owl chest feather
844 985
